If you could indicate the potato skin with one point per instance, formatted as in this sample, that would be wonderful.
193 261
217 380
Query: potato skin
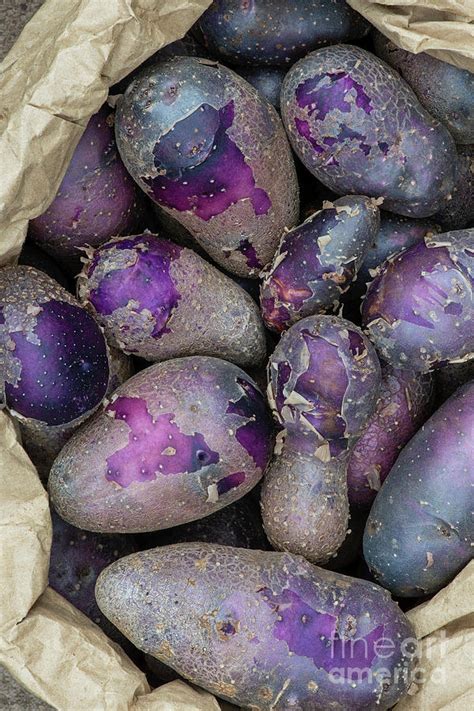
276 32
404 403
96 199
54 357
419 309
176 442
270 627
324 379
419 531
201 142
446 91
267 81
458 211
159 301
317 261
334 108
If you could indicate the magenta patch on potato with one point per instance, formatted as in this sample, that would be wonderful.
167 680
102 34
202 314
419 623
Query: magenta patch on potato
156 446
211 172
254 435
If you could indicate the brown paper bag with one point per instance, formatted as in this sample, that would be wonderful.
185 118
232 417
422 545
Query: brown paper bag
443 28
52 81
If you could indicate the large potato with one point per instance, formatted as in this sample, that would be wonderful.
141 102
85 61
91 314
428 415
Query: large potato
176 442
211 152
359 128
264 630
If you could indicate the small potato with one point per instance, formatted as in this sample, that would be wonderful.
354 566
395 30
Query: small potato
176 442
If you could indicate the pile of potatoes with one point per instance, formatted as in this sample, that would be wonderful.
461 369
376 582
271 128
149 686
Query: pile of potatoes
271 246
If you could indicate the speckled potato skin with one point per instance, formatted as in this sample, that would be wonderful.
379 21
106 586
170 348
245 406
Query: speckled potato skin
160 301
316 262
202 143
54 363
267 81
176 442
277 32
419 531
263 630
43 443
405 402
458 211
419 310
395 235
324 379
359 128
96 199
77 558
446 91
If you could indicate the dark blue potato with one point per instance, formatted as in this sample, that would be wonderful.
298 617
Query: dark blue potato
419 533
263 630
359 128
419 310
203 143
267 81
54 360
458 211
277 32
317 261
446 91
324 380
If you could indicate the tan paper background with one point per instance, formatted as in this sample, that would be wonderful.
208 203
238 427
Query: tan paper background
443 28
52 81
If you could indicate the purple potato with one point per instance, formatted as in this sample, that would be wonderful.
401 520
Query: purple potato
201 142
446 91
177 442
263 630
395 235
317 261
77 558
159 301
419 310
458 212
359 128
324 381
267 81
419 533
276 32
43 444
405 402
54 364
96 200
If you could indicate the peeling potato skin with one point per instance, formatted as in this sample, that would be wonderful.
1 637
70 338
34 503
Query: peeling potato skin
446 91
277 32
419 310
359 128
405 402
54 360
177 442
159 301
254 626
419 531
324 380
395 235
43 443
96 199
316 262
201 142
